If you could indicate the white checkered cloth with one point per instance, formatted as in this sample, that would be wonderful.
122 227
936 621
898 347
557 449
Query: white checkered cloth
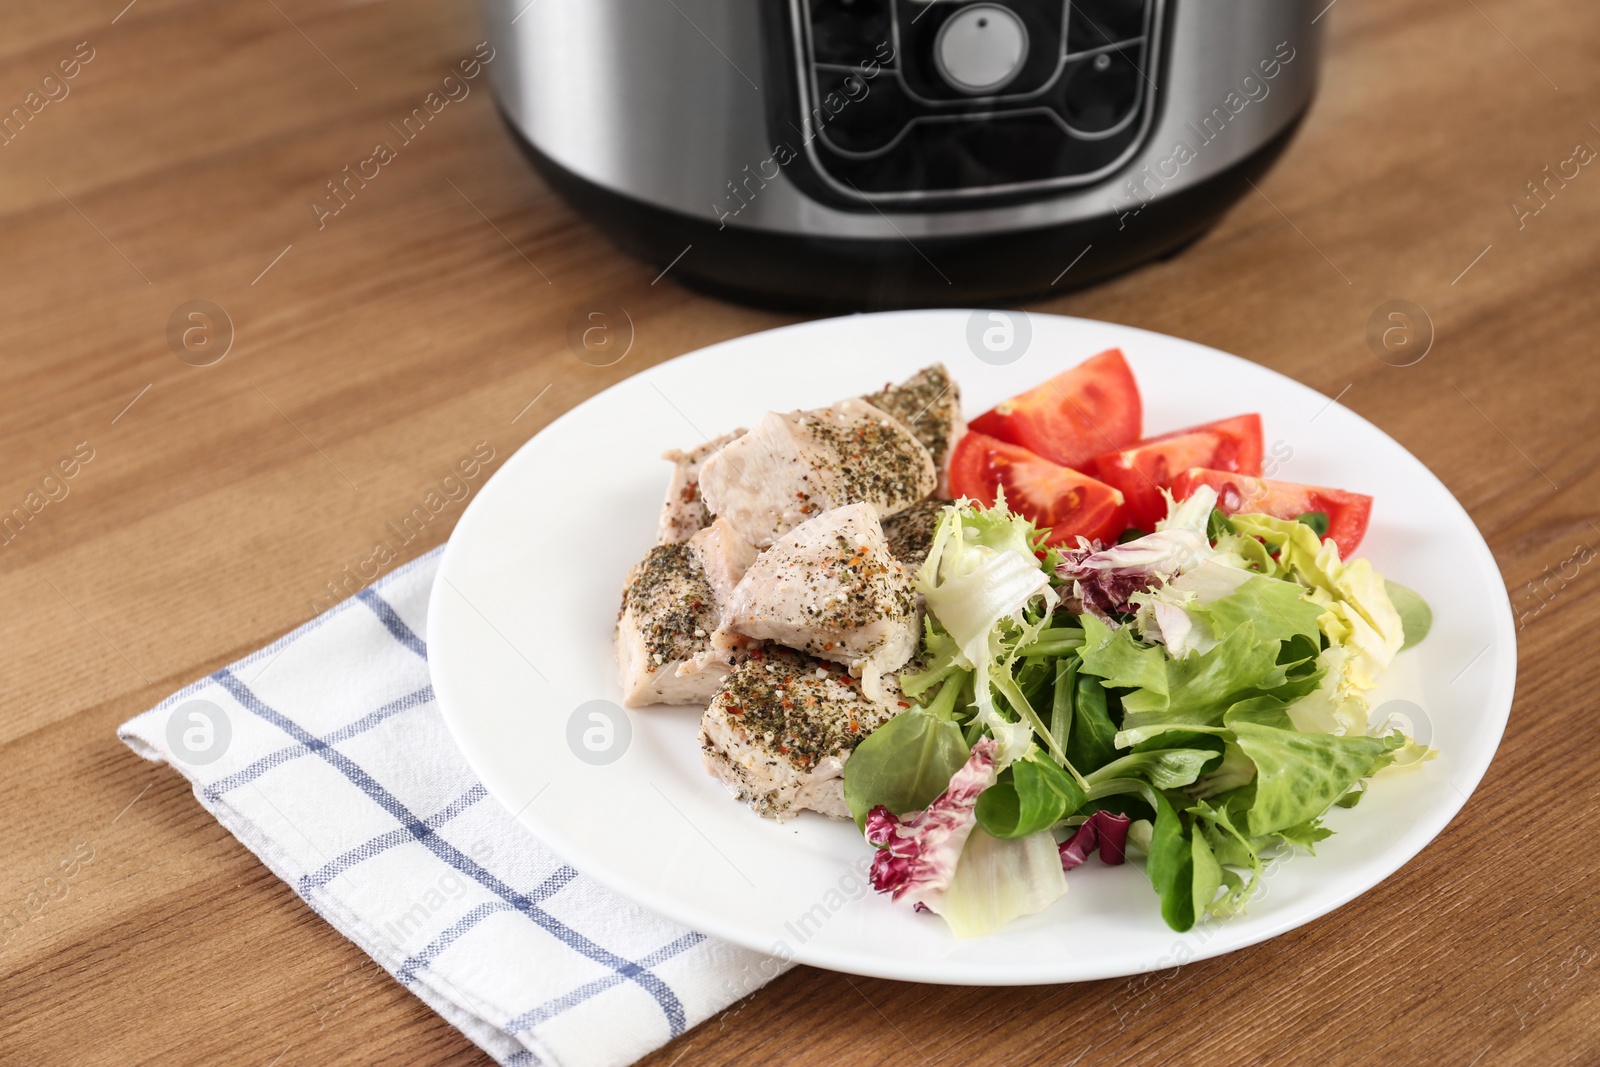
326 755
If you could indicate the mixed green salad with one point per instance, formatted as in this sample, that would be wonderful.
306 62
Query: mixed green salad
1198 694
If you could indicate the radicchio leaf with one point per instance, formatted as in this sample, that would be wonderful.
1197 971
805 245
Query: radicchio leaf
1104 580
918 853
1105 829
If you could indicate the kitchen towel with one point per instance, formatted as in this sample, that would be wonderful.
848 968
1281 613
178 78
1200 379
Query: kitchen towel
326 755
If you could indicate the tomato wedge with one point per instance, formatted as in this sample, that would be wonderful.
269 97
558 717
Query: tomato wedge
1075 416
1146 467
1072 505
1347 512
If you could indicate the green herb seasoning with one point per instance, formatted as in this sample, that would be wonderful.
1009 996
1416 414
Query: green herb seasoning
672 603
926 403
910 532
794 710
875 460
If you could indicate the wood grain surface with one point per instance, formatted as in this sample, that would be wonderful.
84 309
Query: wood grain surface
431 313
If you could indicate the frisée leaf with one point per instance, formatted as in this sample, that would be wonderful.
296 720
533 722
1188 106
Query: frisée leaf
980 580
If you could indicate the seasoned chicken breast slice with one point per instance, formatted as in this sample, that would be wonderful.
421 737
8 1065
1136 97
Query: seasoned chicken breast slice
794 466
910 532
780 730
684 511
668 613
830 587
929 405
724 556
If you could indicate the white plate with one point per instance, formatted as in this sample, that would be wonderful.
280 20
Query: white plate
519 631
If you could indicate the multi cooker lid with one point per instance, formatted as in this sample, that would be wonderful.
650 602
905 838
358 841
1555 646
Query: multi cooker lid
912 102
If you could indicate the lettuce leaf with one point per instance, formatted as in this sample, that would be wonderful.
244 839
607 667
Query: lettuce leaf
998 881
1357 614
1117 657
1164 768
1279 610
1235 770
979 580
1195 691
1194 611
1299 776
904 764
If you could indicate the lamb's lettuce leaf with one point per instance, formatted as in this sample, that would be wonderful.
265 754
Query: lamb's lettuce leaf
1181 867
1093 743
1416 617
1164 768
904 764
1033 794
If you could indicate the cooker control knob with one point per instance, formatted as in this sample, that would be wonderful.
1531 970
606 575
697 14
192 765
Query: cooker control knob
980 48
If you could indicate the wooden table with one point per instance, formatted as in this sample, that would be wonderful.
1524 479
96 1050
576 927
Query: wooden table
370 355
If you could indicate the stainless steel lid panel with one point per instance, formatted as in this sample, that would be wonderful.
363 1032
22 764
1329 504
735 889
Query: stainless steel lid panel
668 104
912 103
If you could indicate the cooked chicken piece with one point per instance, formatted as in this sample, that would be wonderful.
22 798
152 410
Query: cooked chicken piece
724 556
830 587
780 730
684 512
797 465
929 404
910 533
668 613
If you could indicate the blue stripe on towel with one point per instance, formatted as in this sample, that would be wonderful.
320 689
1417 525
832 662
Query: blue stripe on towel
549 888
392 622
550 1009
670 1005
344 733
472 918
384 842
